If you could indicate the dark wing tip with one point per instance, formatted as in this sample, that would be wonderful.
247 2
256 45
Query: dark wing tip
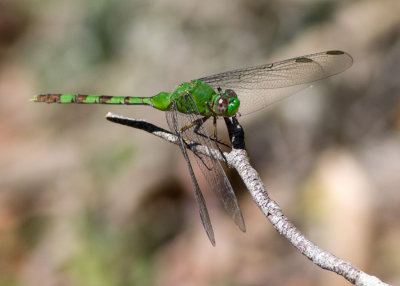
335 52
341 53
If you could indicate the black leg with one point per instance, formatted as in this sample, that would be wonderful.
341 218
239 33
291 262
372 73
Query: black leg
216 139
197 127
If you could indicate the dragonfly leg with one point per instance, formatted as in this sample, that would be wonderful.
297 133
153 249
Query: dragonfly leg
189 146
216 139
197 124
215 127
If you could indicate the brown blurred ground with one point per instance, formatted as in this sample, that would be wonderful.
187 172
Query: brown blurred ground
86 202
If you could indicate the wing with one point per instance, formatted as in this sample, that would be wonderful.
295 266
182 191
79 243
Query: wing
259 86
205 218
210 167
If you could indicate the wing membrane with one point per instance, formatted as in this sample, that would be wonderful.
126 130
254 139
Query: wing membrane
210 167
260 86
205 218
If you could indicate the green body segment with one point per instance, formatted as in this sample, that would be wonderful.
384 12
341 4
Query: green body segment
202 94
90 99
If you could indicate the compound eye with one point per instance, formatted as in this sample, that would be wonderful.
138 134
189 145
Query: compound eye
222 106
230 93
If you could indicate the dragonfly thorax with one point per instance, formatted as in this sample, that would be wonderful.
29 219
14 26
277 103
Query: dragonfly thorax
226 104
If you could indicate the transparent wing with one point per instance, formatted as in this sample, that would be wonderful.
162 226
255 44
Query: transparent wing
210 167
172 120
259 86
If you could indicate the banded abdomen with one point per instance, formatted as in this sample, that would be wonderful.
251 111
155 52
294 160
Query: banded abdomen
91 99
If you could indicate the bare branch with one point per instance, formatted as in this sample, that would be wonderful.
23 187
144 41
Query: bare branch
239 160
162 133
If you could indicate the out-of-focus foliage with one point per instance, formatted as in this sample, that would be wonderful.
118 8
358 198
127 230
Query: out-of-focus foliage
86 202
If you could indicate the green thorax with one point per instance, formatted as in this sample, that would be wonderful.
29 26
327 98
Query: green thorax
201 93
197 91
198 97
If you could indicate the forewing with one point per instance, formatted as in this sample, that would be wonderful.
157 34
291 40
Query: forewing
210 167
205 218
260 86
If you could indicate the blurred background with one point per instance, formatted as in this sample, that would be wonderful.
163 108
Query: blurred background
87 202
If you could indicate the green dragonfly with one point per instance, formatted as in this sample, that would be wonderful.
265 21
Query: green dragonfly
225 94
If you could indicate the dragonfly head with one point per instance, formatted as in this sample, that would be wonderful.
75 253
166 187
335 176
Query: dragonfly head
226 104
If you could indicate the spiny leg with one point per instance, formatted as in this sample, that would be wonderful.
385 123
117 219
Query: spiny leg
216 139
197 124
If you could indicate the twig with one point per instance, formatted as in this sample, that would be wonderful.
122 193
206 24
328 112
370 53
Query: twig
239 160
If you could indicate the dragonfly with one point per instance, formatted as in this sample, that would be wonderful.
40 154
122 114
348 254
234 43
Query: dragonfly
232 93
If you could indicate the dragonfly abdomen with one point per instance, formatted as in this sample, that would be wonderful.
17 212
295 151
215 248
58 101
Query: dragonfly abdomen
90 99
